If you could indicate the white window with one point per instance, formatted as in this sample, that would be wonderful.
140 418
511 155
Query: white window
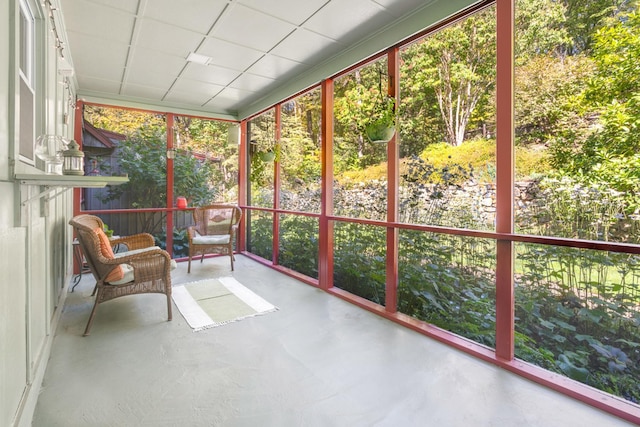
27 82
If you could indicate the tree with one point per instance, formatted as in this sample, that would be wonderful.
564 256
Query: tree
209 140
540 29
143 158
609 153
545 92
123 121
584 18
457 65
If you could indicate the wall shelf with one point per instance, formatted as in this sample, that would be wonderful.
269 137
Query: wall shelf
65 182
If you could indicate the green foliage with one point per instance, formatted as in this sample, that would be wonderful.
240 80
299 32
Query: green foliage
180 242
454 67
299 244
359 96
446 281
545 95
143 158
608 152
540 27
371 173
567 207
359 261
479 154
380 126
210 141
584 18
107 230
123 121
260 234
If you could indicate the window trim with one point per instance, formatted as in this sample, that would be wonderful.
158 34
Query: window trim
26 34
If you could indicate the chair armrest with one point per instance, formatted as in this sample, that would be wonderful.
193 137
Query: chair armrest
135 241
148 264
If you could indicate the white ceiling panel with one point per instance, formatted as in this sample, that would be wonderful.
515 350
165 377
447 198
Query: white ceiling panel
402 7
99 86
123 5
144 92
104 22
293 11
251 82
167 38
107 62
274 67
187 97
348 20
136 50
229 55
153 79
223 105
201 90
145 61
250 28
296 47
210 74
194 15
232 96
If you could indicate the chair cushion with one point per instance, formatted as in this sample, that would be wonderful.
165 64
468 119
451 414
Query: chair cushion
218 239
135 251
128 270
107 251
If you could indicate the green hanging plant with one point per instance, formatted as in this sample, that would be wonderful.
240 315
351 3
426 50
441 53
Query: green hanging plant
380 127
379 123
267 156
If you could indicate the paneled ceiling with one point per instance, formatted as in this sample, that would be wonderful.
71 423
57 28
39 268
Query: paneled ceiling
137 51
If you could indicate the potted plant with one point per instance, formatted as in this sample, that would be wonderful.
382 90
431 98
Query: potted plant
381 125
270 154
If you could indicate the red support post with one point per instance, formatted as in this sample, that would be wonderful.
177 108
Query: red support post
170 149
393 182
78 124
325 250
505 299
77 136
242 184
276 189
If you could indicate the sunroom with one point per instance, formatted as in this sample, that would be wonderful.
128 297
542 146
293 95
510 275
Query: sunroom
495 225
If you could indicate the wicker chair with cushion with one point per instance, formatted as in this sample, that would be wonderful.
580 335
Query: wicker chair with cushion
214 231
143 268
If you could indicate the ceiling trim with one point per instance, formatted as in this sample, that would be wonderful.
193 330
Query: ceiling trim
120 102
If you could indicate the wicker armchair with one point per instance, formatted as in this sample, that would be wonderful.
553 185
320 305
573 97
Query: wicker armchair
214 231
144 268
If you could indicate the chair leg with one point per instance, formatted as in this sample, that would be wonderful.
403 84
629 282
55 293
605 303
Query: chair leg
93 313
189 267
169 314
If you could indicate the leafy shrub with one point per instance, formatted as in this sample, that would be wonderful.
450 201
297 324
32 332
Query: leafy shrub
479 154
180 242
299 244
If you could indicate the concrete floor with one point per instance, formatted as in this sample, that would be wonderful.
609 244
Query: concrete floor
318 361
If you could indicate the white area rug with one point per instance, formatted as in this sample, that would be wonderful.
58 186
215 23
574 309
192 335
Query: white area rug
215 302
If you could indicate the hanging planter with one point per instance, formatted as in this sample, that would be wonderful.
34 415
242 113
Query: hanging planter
268 156
379 123
380 127
380 132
